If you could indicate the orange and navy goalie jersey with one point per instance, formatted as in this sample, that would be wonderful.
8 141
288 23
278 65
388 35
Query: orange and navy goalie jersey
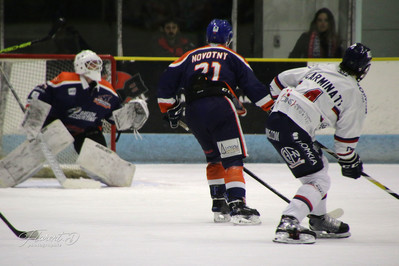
77 104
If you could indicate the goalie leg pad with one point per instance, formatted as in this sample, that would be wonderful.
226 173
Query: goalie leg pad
104 165
28 158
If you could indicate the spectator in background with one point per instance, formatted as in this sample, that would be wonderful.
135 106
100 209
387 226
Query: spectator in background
321 41
171 42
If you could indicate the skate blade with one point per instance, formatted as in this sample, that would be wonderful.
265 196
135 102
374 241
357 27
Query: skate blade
325 235
221 217
283 237
245 220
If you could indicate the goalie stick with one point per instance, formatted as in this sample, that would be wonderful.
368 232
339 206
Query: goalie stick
57 25
21 234
59 174
369 178
335 213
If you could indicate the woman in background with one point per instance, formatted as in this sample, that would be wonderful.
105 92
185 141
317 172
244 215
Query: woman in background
321 41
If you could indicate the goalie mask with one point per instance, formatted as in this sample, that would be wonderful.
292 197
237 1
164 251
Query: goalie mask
219 31
89 64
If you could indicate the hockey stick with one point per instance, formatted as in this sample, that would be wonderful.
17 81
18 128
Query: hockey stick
21 234
59 174
369 178
266 185
335 213
59 23
184 125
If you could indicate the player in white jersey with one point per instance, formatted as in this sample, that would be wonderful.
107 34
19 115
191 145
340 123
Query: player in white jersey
308 99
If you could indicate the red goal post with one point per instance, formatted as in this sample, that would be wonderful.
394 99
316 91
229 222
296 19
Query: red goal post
24 72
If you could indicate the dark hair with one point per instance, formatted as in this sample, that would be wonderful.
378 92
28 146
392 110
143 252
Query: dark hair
170 20
331 22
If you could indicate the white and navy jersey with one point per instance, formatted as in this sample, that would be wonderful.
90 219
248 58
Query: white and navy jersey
323 96
77 105
218 63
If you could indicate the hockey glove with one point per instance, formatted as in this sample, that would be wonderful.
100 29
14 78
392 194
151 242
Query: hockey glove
351 168
174 115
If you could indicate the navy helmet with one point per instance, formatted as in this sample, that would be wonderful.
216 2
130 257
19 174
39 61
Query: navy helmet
356 60
219 31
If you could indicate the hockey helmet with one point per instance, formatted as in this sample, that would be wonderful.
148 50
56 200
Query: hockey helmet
356 60
89 64
219 31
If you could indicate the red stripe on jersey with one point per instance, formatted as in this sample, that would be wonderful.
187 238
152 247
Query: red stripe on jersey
278 83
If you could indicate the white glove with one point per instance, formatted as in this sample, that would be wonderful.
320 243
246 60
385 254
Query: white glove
132 115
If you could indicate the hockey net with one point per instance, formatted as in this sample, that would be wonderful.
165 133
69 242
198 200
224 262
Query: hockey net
24 72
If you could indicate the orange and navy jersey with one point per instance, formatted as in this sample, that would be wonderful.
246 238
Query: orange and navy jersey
75 103
218 63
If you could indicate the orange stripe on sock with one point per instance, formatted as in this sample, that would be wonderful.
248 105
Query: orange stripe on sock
235 174
215 171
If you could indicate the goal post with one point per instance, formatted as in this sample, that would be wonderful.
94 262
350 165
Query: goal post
24 72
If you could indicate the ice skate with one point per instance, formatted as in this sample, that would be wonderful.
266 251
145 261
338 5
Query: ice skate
221 210
241 214
290 231
327 227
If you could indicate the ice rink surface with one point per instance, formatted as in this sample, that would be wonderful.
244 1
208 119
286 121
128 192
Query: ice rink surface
164 218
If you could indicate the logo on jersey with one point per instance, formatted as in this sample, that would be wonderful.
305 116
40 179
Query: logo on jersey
229 148
308 152
72 91
35 95
273 135
292 157
103 100
79 114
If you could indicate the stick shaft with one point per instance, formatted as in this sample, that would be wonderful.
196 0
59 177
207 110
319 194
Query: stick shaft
59 174
13 229
266 185
369 178
184 125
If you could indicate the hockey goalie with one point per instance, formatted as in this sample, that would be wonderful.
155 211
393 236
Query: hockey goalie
80 100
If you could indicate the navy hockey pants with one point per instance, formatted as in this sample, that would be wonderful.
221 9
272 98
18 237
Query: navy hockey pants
217 128
294 145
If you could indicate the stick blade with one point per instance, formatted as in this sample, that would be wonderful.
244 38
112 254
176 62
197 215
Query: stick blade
336 213
29 235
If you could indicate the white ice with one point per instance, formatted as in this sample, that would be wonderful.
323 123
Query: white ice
164 218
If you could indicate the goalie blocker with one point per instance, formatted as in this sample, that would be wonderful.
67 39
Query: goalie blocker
104 165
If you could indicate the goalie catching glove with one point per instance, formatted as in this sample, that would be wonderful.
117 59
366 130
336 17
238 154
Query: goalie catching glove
352 168
132 115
